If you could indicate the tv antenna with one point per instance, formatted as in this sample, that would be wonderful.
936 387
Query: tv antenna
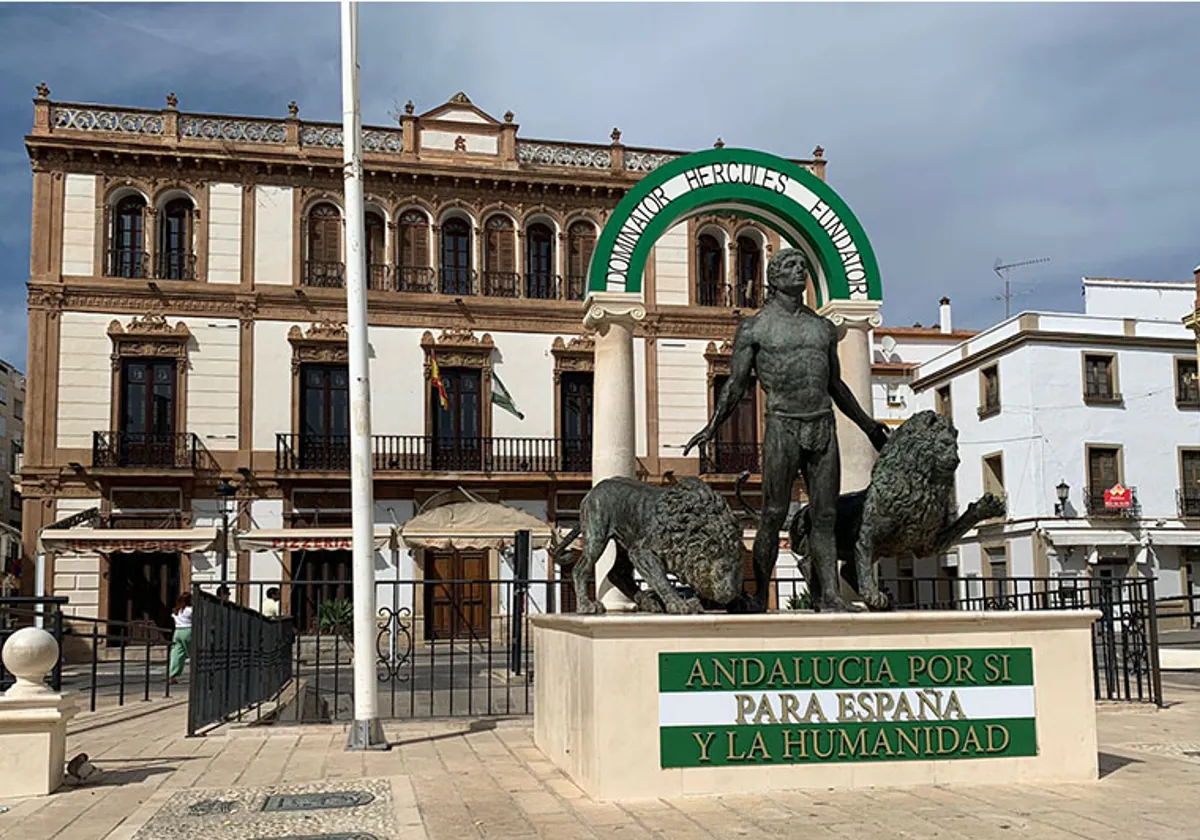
1002 268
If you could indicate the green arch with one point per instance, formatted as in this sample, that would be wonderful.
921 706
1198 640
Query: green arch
776 192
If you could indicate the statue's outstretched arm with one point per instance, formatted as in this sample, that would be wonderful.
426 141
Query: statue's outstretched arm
741 366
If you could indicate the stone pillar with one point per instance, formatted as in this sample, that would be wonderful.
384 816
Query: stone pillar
612 315
854 320
33 719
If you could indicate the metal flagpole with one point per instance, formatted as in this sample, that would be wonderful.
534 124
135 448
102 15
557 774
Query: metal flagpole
366 733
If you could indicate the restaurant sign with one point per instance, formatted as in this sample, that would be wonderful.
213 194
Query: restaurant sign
1118 497
796 707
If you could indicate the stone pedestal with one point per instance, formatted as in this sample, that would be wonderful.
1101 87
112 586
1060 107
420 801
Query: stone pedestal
854 320
612 315
641 706
33 719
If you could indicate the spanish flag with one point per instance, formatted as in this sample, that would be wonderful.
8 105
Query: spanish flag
437 383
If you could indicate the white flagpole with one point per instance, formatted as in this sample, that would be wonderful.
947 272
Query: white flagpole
366 733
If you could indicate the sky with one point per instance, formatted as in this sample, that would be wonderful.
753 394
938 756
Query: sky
958 133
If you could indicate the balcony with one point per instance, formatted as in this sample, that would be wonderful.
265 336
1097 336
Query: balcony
424 453
456 281
731 459
712 294
576 287
1188 500
1093 501
146 451
379 277
505 284
542 286
126 262
174 265
324 275
413 279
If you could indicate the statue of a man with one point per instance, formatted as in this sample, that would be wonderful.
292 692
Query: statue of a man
793 352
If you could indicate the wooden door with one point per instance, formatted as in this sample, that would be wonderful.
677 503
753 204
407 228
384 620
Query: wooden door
147 416
577 413
325 417
319 577
736 447
457 428
1102 473
142 590
457 596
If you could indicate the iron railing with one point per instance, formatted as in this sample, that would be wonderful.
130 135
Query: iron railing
379 277
413 279
731 458
505 284
456 281
240 660
174 265
426 453
712 294
152 451
576 287
126 262
542 285
324 275
748 295
1093 502
1188 502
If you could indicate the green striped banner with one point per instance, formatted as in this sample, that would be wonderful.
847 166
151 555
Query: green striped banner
816 706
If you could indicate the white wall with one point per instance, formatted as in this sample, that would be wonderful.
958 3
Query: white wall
84 378
266 515
212 382
444 141
77 575
526 366
273 236
397 381
273 383
682 393
671 266
225 233
1136 299
79 225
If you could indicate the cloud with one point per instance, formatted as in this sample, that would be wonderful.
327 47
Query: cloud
959 133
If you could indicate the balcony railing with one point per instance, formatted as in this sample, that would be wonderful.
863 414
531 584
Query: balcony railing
541 285
413 279
324 275
456 281
174 265
145 451
723 458
1189 503
506 284
379 277
126 262
576 287
1093 500
712 294
424 453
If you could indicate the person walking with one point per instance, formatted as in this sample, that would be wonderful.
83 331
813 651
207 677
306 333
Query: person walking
181 642
270 607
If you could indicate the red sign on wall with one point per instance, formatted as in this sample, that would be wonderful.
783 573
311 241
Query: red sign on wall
1117 497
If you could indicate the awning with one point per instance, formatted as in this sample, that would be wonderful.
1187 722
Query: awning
1088 536
472 525
308 539
1174 536
116 540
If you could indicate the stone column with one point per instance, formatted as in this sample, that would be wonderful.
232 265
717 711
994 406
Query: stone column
612 315
854 320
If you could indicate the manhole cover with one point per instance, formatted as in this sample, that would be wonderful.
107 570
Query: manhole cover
317 801
207 807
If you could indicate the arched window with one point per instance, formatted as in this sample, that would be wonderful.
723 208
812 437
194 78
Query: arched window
324 266
126 254
540 279
175 260
457 276
377 269
581 242
710 265
749 272
500 258
413 272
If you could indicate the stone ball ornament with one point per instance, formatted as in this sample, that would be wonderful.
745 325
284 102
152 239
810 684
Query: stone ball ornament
29 655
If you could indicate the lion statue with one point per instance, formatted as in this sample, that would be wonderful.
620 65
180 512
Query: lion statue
908 509
684 529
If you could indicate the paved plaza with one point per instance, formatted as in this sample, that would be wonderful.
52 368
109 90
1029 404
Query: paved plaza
464 778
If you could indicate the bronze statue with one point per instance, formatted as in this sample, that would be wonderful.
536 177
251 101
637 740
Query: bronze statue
793 353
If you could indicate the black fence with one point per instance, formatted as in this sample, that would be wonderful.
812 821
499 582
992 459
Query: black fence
425 453
240 659
146 450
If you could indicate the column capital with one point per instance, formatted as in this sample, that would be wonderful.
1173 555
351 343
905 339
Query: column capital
611 307
857 314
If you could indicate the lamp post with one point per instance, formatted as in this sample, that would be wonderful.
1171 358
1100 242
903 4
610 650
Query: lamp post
225 491
1064 490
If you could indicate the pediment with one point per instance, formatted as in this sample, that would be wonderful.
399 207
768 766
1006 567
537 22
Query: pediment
460 109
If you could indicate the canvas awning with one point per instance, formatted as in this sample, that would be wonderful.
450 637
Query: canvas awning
308 539
472 525
1088 536
1174 536
117 540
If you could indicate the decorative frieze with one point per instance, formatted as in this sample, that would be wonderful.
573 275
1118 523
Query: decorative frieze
578 354
639 161
564 154
325 342
458 347
233 131
72 118
321 136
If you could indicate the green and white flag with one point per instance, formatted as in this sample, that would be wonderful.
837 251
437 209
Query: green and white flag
502 398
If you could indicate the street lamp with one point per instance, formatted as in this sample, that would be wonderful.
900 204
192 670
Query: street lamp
225 491
1064 490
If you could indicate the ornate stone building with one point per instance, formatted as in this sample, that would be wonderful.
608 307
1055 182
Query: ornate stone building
188 354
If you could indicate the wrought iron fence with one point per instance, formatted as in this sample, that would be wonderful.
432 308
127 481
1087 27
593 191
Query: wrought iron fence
424 453
723 458
1095 504
456 281
576 286
501 284
379 277
136 449
1188 502
174 265
126 262
414 279
541 285
324 275
711 294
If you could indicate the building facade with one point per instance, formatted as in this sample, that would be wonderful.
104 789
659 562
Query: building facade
12 441
1089 426
188 349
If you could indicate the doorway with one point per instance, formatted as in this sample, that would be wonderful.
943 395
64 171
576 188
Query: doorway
142 590
319 577
457 596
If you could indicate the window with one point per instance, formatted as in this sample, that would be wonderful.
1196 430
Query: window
3 426
3 393
997 559
1099 378
735 449
894 397
944 406
457 277
709 270
577 412
324 242
457 426
581 242
19 409
989 391
146 436
377 269
174 260
540 279
749 272
1103 473
500 258
126 254
1189 483
15 501
413 271
324 417
993 474
1187 383
3 460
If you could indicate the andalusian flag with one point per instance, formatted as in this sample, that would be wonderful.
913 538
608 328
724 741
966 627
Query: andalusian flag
502 398
437 383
